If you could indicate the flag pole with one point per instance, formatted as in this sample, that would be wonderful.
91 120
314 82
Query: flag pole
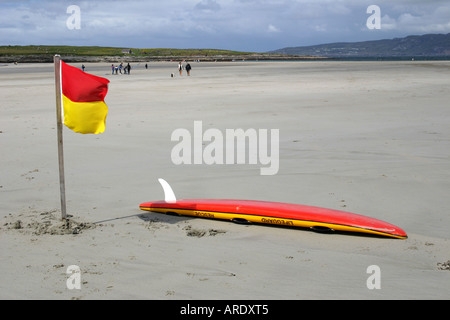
57 63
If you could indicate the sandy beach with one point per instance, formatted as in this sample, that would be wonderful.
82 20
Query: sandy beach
371 138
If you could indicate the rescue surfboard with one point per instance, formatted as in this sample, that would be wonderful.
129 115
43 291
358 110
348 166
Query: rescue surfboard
272 213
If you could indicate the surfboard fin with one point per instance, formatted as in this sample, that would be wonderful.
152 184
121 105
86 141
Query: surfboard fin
169 195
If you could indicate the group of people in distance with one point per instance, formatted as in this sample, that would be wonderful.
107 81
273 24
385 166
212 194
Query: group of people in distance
115 69
119 68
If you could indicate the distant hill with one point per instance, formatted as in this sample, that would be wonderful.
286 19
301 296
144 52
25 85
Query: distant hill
411 46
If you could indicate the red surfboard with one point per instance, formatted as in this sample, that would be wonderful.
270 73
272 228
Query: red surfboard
274 213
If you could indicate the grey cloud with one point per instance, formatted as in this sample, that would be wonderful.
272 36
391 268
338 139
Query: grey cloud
208 5
253 25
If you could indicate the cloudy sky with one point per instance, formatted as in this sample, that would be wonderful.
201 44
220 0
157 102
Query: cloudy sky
245 25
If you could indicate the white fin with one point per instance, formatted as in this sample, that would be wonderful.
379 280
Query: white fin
168 192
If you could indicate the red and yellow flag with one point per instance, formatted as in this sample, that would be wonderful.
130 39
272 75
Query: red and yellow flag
83 97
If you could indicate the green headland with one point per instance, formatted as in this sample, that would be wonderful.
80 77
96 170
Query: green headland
45 53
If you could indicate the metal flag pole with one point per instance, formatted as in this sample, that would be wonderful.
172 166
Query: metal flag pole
58 89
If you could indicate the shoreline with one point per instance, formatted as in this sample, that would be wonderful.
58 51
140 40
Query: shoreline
219 58
111 59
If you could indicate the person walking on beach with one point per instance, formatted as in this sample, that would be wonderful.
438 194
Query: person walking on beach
128 68
188 69
112 69
180 68
83 67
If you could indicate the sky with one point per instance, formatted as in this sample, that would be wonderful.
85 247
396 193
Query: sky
243 25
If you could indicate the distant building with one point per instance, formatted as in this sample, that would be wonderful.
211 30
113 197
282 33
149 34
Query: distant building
126 51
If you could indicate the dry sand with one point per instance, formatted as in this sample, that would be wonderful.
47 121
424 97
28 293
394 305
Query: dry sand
367 137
